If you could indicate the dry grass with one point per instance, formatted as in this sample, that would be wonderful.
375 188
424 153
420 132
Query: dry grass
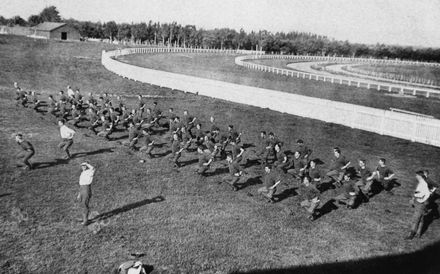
198 226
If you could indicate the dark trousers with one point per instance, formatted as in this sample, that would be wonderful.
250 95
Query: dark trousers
231 179
418 217
202 170
336 174
23 158
147 149
65 145
85 194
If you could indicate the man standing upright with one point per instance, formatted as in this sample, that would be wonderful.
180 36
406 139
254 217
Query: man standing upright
66 136
85 190
27 152
419 202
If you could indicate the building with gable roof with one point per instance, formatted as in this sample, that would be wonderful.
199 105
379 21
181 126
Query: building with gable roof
58 31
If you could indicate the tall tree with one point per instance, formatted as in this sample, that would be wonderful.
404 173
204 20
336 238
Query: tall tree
50 14
17 20
110 30
34 20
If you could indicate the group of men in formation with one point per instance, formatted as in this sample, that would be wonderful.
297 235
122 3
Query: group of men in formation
185 134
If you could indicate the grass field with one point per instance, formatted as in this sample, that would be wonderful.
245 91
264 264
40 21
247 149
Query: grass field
183 225
223 68
428 73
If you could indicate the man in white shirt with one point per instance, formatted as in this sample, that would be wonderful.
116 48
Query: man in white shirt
420 202
85 190
66 136
70 92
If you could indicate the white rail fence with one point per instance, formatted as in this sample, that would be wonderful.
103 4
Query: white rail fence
364 83
401 125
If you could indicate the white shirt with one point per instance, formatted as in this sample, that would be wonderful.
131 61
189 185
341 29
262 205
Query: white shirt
422 192
70 92
66 133
86 176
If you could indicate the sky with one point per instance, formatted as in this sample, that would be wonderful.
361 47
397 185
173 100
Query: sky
401 22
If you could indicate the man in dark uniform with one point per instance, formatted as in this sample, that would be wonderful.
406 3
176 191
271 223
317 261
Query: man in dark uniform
314 173
189 121
205 160
311 201
198 134
93 119
106 128
119 104
148 143
270 148
235 172
20 97
384 175
303 149
26 153
76 116
209 143
281 162
186 138
349 194
78 98
213 126
141 102
338 166
297 166
365 180
125 117
237 152
271 181
33 101
52 106
176 150
133 136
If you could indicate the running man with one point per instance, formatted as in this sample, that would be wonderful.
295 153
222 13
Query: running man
26 153
66 136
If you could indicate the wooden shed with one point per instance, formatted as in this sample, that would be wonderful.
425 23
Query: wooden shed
59 31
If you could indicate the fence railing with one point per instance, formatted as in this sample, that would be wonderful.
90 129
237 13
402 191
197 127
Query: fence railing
364 83
340 59
406 126
144 50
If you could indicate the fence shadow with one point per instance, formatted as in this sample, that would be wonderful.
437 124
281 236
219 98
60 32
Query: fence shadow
422 261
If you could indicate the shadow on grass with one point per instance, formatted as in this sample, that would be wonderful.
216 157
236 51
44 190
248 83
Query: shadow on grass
125 136
251 163
250 182
162 154
248 145
188 162
89 153
128 207
5 195
289 192
326 208
421 261
50 164
219 171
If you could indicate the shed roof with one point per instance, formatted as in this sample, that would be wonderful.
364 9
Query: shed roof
49 26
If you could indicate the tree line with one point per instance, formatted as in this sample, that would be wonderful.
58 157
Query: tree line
175 34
